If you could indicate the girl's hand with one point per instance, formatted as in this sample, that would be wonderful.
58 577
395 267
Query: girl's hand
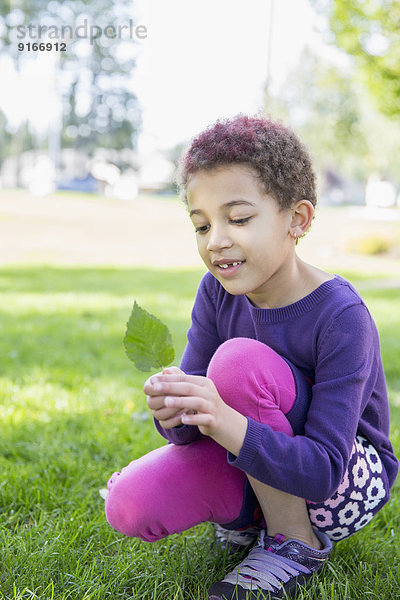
168 417
197 402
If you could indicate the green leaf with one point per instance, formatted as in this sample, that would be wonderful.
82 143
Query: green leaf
147 341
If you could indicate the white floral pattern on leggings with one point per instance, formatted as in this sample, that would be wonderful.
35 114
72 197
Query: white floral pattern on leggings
358 498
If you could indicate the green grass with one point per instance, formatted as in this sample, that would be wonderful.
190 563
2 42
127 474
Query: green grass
72 412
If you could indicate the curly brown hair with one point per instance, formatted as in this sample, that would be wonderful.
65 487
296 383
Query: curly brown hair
278 157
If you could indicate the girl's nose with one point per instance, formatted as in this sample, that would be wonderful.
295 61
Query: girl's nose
217 240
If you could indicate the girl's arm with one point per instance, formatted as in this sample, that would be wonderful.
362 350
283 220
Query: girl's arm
349 397
202 342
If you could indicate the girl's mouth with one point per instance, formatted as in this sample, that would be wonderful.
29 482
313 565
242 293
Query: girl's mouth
228 269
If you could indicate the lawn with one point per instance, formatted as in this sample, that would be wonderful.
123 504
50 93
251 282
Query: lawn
72 411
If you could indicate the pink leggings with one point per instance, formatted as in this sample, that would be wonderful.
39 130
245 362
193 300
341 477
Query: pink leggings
176 487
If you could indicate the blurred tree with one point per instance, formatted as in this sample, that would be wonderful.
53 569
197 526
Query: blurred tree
5 138
320 101
369 30
330 109
93 76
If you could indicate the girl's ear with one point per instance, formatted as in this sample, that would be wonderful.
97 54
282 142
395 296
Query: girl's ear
302 216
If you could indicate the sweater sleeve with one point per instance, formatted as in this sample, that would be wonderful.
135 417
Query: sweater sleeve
312 465
202 342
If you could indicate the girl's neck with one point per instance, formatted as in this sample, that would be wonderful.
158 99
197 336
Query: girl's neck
298 281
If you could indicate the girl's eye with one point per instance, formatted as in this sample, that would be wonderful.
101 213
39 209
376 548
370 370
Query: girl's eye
205 228
240 221
202 229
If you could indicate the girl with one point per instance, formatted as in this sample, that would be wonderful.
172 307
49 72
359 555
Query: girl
278 417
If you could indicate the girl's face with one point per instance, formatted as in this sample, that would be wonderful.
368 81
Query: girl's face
242 236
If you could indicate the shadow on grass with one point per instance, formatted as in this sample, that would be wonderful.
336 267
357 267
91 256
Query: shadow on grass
114 281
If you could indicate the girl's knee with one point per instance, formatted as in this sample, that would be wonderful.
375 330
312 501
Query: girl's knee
243 364
254 380
169 490
242 355
234 351
131 508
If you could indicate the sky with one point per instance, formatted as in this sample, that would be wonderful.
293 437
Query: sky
204 60
201 60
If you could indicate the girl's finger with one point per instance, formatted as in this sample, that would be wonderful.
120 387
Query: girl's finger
155 402
170 423
152 388
177 388
149 389
172 371
148 384
188 403
155 375
167 413
199 419
179 377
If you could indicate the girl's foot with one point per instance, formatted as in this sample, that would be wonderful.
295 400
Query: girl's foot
273 566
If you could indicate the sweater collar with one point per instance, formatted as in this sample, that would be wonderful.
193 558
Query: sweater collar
302 306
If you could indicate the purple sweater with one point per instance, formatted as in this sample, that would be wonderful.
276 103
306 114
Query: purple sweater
331 337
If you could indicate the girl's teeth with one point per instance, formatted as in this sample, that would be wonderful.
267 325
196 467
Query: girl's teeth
230 265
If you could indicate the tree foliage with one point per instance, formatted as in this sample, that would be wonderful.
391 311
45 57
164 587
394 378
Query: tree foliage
369 31
331 111
94 74
5 137
320 101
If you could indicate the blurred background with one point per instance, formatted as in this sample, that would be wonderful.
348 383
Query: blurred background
90 136
90 222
